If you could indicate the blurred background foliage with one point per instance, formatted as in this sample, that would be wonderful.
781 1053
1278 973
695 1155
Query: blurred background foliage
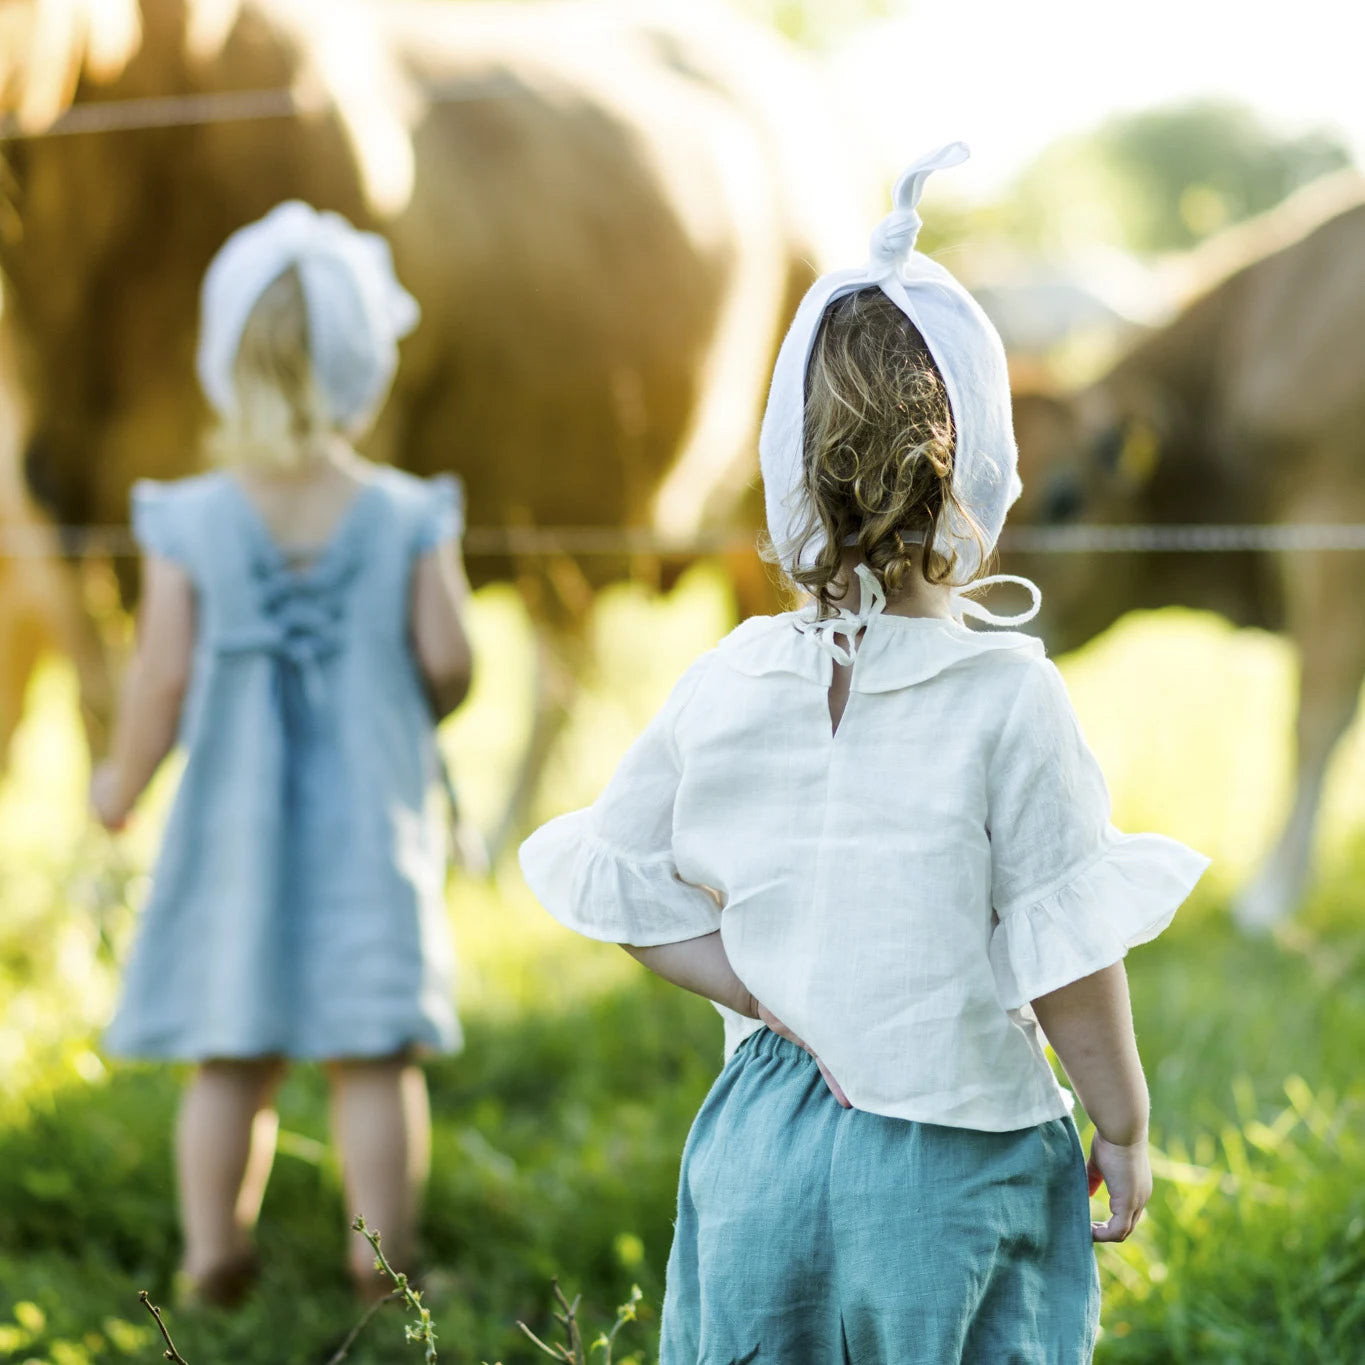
1163 179
1148 183
818 23
1148 180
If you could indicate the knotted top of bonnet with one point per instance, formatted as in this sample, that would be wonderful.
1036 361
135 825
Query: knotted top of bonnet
965 347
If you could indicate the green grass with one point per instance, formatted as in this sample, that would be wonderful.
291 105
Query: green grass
558 1132
547 1160
1253 1249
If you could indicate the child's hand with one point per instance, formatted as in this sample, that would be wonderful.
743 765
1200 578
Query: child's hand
778 1027
107 799
1128 1175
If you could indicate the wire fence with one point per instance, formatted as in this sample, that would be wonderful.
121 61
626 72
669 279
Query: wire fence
101 542
222 106
1269 538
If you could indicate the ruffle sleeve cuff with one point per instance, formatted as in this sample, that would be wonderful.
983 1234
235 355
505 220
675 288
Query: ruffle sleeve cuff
1125 896
443 516
590 887
154 522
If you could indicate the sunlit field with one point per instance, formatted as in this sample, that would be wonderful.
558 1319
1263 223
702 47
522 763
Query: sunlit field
558 1131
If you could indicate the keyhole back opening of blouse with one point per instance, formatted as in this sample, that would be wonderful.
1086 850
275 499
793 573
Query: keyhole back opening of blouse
840 685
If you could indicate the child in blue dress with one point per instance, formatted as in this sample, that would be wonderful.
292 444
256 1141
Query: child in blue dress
299 634
877 839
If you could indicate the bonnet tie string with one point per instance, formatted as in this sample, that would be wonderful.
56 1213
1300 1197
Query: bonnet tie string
966 607
844 622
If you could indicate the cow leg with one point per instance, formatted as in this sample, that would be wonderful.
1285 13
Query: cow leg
556 686
82 637
42 609
22 640
1321 592
57 588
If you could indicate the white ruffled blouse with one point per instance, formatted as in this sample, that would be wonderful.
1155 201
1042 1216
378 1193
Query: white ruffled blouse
896 891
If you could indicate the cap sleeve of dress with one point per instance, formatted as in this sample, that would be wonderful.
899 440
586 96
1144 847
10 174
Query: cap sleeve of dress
608 871
442 515
158 521
1071 893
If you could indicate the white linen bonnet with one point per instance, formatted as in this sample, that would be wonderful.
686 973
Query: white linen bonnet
970 357
357 310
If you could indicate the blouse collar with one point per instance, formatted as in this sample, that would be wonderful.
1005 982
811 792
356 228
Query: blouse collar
895 652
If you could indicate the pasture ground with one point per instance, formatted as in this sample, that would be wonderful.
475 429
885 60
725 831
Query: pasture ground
558 1131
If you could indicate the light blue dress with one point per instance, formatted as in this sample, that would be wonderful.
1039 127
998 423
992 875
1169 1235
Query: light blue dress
297 907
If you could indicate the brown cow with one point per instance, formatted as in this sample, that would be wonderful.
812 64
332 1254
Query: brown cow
1249 407
600 207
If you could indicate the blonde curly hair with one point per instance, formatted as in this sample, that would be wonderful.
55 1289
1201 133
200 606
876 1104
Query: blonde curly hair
879 444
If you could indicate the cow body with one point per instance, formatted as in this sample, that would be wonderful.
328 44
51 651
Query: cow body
603 222
1248 407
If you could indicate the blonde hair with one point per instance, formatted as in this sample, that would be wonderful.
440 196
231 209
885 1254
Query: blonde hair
280 411
878 451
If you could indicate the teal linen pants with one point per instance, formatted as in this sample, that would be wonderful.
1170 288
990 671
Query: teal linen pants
808 1234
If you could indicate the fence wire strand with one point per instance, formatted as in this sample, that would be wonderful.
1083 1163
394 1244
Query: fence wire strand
222 106
99 542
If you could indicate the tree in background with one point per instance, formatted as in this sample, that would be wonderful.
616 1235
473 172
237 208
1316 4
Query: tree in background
1163 179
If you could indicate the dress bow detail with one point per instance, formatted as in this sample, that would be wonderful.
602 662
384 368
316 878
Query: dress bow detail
844 622
302 611
893 239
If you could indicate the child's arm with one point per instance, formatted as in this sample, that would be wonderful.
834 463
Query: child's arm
439 592
153 691
1090 1026
700 965
1070 894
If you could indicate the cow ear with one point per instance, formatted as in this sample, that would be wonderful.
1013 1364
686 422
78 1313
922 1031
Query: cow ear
1130 449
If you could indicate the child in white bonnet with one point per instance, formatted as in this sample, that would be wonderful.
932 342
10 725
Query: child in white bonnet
877 838
301 630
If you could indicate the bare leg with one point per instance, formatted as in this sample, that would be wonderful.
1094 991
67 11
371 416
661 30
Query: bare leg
225 1145
382 1124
